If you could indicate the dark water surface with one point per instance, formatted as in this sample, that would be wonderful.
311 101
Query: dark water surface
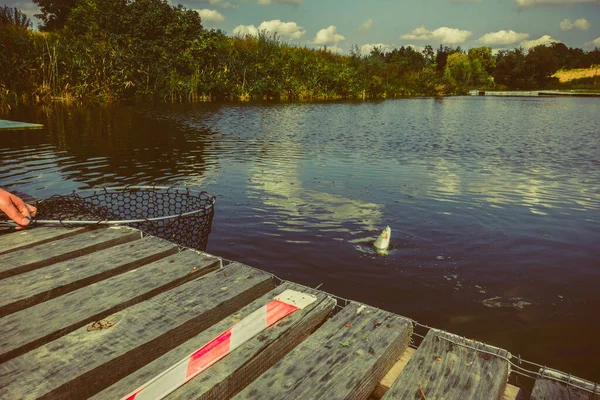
494 203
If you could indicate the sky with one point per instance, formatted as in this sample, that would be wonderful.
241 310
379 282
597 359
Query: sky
340 24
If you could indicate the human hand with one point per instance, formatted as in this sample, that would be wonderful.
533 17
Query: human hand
16 209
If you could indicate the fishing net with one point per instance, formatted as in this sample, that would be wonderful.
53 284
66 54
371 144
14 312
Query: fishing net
179 216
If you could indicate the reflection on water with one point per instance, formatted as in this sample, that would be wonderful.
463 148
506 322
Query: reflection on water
276 182
494 203
102 146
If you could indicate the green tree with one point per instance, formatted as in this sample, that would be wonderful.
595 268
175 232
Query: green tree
429 55
148 39
112 50
54 13
459 70
511 69
542 63
441 58
406 59
561 53
593 57
20 50
576 58
485 57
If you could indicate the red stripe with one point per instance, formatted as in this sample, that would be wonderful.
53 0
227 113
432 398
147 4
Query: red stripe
209 353
278 309
133 395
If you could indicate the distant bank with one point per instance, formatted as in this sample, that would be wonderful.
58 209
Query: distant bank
576 77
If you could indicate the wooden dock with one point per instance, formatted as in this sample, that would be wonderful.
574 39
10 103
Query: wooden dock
17 126
569 93
98 312
533 93
506 93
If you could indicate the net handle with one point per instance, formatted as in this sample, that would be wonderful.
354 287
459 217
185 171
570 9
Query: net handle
124 221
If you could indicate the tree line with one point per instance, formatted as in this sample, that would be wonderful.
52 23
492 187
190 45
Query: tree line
119 50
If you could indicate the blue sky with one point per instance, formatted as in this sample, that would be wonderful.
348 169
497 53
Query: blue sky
339 24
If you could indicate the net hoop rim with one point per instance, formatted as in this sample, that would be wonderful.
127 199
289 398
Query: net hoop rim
96 190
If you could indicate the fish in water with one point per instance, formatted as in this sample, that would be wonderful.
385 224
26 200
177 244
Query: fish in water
383 240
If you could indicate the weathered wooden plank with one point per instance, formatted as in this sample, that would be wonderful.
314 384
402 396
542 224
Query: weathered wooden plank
85 362
545 389
27 238
344 359
448 366
18 262
550 389
510 393
515 393
24 290
391 376
42 323
234 372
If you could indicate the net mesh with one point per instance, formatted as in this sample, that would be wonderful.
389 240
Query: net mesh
131 203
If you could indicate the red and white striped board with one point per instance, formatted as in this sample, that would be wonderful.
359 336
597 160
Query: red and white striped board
171 379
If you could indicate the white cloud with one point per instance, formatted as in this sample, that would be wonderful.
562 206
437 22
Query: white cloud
443 34
594 43
286 29
582 24
529 3
335 49
290 30
207 15
243 30
214 3
544 40
366 48
367 24
503 37
328 36
286 2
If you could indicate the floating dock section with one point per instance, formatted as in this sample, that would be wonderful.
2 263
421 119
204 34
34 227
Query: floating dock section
533 93
102 313
17 126
569 94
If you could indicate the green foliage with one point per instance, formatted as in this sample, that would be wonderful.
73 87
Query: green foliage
459 72
20 51
428 55
542 63
512 70
466 71
441 58
54 13
485 58
112 50
518 69
571 58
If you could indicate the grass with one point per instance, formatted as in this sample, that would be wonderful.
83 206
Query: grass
579 73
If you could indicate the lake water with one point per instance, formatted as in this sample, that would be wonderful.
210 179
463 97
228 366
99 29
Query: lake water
494 203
